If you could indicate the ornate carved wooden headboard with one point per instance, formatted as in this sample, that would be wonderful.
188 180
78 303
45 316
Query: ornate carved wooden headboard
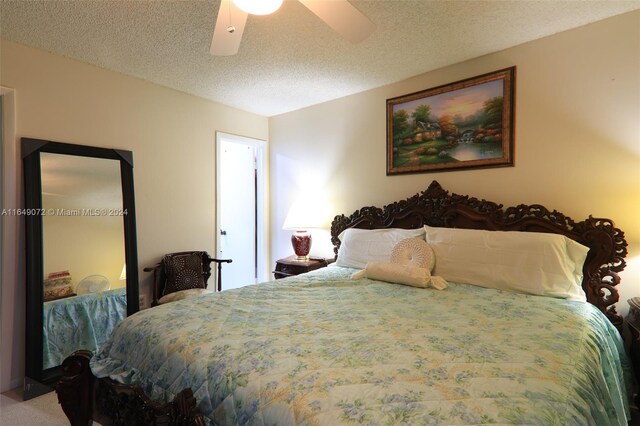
437 207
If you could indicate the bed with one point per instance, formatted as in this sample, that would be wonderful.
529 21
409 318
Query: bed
75 322
324 348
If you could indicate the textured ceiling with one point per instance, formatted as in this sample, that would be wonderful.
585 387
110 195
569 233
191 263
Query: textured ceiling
291 59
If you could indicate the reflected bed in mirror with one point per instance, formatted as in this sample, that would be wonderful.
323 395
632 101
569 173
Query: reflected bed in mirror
80 239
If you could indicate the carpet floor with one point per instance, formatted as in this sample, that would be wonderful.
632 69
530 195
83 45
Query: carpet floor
43 410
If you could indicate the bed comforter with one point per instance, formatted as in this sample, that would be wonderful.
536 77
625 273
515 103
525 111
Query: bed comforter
80 322
322 349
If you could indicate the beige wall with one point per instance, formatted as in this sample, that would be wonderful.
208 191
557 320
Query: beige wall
577 139
171 134
84 245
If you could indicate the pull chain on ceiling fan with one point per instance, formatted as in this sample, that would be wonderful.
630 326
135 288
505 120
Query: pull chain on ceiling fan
340 15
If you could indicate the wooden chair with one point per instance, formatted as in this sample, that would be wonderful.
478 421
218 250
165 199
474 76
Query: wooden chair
160 275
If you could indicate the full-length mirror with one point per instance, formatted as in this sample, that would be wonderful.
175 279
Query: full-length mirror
81 252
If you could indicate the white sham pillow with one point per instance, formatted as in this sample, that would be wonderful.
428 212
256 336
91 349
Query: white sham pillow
527 262
360 246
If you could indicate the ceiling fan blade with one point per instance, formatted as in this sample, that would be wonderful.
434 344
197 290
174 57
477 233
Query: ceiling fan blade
226 42
343 17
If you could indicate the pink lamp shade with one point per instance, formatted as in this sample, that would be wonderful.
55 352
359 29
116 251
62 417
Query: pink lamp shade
301 242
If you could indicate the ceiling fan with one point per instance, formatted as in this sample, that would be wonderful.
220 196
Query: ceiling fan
340 15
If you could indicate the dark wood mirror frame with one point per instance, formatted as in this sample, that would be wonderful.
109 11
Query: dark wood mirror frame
38 381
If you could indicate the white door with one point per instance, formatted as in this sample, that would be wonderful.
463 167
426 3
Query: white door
239 210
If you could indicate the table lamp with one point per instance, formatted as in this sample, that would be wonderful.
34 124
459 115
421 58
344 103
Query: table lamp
305 214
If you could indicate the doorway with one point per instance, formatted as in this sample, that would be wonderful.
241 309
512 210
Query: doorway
240 208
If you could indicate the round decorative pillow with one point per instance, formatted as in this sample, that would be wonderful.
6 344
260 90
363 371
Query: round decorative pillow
413 252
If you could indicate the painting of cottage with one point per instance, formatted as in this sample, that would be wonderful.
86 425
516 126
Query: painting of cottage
464 126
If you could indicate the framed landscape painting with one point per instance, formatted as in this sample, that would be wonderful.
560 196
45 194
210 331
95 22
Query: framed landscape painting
466 124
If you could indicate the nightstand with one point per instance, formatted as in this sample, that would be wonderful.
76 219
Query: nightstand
290 266
633 321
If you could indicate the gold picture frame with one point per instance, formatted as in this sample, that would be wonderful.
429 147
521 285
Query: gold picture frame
461 125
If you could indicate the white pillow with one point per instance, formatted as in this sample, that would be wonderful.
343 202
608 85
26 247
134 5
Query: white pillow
360 246
182 294
528 262
413 252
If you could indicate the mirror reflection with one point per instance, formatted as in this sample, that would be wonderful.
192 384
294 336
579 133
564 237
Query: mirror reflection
83 253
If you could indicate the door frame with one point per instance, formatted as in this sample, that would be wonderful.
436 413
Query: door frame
12 293
262 208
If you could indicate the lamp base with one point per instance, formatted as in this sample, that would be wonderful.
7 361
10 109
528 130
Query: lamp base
301 242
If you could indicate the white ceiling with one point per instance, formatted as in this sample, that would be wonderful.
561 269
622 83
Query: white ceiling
77 182
291 59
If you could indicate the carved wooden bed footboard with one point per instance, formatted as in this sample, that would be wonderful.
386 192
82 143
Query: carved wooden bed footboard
84 398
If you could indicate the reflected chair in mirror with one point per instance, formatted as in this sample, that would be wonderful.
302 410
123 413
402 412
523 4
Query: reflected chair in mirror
183 274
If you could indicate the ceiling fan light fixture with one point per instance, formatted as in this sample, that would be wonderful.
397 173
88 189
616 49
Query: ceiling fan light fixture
258 7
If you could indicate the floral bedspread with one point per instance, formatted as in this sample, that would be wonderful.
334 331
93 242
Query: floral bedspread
322 349
80 322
